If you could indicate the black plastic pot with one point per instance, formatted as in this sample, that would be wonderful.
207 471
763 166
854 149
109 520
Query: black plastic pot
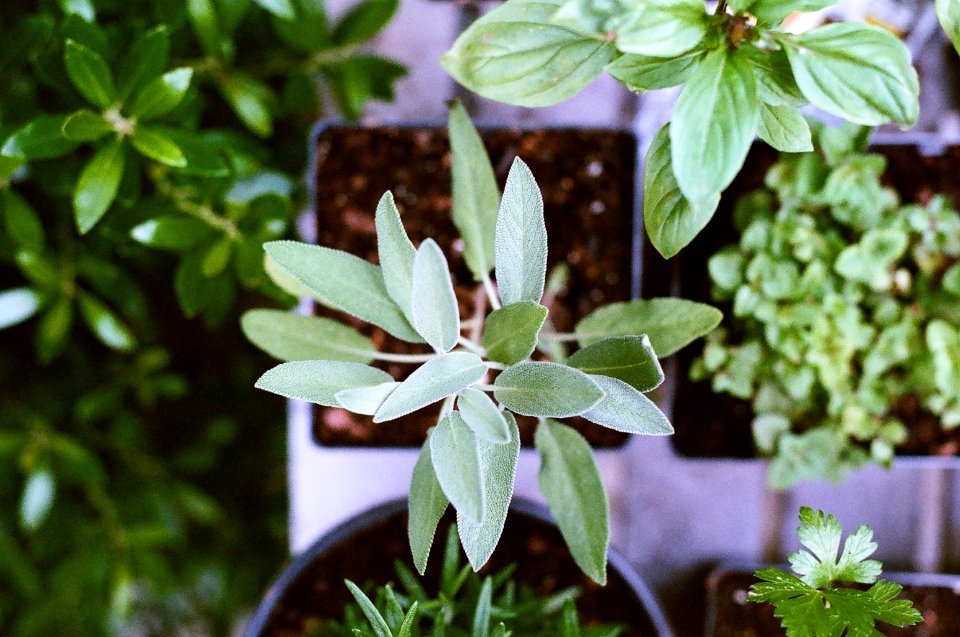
384 527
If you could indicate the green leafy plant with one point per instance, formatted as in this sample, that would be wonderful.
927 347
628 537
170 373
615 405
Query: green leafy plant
743 75
470 456
813 605
465 603
846 307
948 11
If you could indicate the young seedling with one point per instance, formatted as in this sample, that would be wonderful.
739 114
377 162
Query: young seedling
482 381
813 605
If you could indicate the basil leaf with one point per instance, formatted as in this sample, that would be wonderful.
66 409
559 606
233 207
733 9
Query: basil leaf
436 379
161 95
773 12
85 126
784 128
625 409
396 254
511 332
97 186
427 505
775 82
645 73
948 11
663 29
89 74
435 313
319 381
291 337
483 416
627 358
456 461
546 390
521 238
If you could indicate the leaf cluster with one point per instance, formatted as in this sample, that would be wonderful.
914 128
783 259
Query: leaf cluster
813 605
846 307
743 75
483 381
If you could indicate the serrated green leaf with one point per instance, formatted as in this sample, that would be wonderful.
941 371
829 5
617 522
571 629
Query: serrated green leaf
435 313
85 126
784 128
171 232
105 324
146 59
365 400
161 95
455 455
98 185
521 238
645 73
291 337
17 305
773 12
363 21
319 381
855 71
280 8
436 379
669 323
343 282
22 223
713 126
476 197
571 483
37 499
396 254
948 12
89 74
625 409
157 146
369 610
511 332
515 54
483 416
547 390
427 505
40 138
670 219
627 358
663 29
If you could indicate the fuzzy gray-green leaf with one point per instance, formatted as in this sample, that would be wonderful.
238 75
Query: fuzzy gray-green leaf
365 400
434 311
625 409
570 481
319 381
548 390
483 416
292 337
436 379
427 504
784 128
511 332
343 282
396 253
628 358
455 455
521 240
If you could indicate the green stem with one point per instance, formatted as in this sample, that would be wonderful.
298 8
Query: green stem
388 357
484 387
494 365
181 198
470 346
491 292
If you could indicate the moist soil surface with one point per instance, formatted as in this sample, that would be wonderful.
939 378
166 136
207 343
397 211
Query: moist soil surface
537 548
718 425
587 179
735 616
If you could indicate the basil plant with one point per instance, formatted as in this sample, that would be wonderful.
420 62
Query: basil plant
482 382
743 76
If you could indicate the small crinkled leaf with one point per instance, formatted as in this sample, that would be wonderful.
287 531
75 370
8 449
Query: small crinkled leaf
784 128
455 454
521 238
670 219
547 390
171 232
498 466
343 282
365 400
663 29
948 11
37 499
105 325
396 253
319 381
773 12
625 409
483 416
571 483
434 309
645 73
515 54
17 305
427 505
294 337
161 95
85 126
89 74
855 71
377 623
436 379
510 334
476 197
627 358
158 147
98 185
670 323
40 138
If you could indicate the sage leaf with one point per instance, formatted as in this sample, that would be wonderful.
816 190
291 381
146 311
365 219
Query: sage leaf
670 323
773 12
713 125
570 481
395 252
476 197
105 325
377 623
17 305
625 409
515 54
645 73
521 238
483 416
98 185
858 72
670 219
546 390
158 147
319 381
663 29
510 334
498 466
37 499
456 461
89 74
435 313
365 400
785 129
85 126
948 11
294 337
427 505
343 282
628 358
40 138
162 94
436 379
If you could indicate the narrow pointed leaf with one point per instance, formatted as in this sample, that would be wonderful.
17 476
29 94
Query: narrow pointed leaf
436 379
89 74
546 390
157 146
521 238
570 481
427 505
396 254
319 381
40 138
369 610
481 613
511 332
409 621
670 323
85 126
365 400
293 337
162 94
343 282
625 409
784 128
105 325
435 313
948 11
476 197
628 358
483 416
17 305
98 185
456 460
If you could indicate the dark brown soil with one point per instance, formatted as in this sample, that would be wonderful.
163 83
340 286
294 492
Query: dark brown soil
587 181
536 547
718 425
734 616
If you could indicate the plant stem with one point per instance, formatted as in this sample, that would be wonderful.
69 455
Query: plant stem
560 337
388 357
469 345
721 7
484 387
494 365
491 292
445 408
